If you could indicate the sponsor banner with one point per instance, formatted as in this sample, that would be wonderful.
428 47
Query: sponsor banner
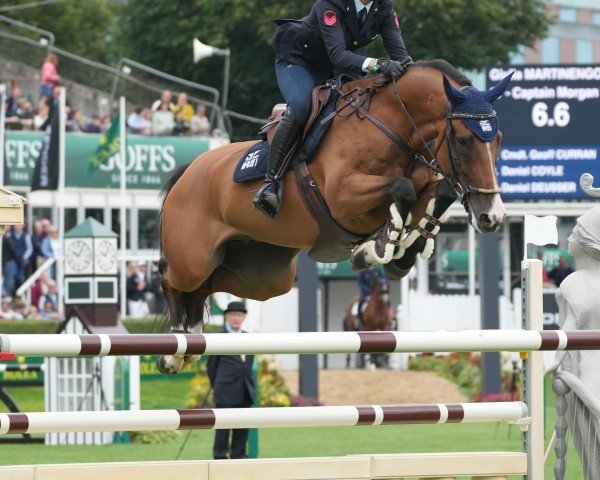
150 160
550 134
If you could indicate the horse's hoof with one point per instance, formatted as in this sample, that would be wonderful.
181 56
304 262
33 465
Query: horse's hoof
163 368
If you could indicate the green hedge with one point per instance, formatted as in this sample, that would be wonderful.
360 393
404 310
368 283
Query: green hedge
133 325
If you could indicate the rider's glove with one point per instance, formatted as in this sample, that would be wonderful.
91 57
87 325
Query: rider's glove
392 69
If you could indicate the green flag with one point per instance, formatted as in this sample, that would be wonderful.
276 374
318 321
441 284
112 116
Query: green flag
110 143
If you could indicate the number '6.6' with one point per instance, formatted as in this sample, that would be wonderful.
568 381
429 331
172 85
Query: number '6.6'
541 117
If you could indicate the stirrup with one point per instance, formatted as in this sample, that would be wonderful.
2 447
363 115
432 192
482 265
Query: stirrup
261 204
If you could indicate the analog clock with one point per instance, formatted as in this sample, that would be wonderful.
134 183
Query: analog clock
78 256
105 256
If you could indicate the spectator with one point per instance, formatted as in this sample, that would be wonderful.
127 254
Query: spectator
40 117
39 288
75 122
560 272
199 123
11 101
50 296
94 126
19 111
7 312
105 123
182 114
52 248
138 122
136 292
20 308
231 379
36 242
164 103
17 248
49 76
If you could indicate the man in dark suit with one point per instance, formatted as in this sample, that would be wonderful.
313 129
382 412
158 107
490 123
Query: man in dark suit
231 379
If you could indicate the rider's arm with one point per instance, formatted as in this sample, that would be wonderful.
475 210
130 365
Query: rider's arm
390 33
334 40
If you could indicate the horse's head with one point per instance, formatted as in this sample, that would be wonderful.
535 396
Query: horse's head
473 142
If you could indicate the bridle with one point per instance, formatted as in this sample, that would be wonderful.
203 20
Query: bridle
457 169
462 189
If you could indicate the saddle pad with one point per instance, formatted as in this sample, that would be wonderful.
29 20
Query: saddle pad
252 164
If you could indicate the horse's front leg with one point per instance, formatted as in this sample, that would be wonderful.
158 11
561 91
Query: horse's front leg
388 242
428 214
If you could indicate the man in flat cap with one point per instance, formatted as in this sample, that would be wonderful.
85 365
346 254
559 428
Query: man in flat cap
231 379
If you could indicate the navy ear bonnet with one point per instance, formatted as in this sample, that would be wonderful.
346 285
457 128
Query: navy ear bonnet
471 101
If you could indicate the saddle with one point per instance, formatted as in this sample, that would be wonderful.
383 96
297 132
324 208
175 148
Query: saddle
319 99
334 243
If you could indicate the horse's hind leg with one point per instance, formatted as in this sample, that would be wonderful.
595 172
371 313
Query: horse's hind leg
186 311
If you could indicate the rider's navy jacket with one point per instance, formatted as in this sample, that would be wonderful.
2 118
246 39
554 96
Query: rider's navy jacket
328 41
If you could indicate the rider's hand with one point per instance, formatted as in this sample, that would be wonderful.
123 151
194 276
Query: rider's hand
391 68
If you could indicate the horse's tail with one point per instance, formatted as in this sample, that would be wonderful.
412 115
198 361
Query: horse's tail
169 184
185 311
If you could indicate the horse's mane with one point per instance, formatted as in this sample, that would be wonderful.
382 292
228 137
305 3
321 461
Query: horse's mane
447 69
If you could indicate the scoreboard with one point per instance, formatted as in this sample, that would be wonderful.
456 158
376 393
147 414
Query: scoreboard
550 120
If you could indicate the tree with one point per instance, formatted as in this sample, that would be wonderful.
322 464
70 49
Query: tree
85 28
469 34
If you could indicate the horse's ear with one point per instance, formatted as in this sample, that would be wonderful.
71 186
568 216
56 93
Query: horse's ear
496 92
451 92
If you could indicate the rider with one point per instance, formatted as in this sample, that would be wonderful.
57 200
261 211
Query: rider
366 281
329 41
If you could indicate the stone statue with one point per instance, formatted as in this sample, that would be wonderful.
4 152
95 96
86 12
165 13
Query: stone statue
578 301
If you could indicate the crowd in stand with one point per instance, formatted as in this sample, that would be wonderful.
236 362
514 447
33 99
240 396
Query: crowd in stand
22 254
25 111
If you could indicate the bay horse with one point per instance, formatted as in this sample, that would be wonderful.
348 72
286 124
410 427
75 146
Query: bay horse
378 314
388 168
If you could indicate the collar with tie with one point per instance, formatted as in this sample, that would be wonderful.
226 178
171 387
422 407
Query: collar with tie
362 12
362 17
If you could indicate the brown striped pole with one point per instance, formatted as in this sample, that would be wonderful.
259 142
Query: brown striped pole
70 345
228 418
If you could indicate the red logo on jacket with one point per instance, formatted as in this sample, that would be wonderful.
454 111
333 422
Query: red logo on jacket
329 18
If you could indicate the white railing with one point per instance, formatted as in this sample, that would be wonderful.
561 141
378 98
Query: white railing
25 288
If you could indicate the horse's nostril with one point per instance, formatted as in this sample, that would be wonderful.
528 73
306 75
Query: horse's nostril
485 220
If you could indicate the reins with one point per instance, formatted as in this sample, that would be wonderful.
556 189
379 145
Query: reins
359 100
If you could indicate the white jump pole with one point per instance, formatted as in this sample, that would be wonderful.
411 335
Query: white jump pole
273 417
70 345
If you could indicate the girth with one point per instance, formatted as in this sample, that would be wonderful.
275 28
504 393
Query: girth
334 243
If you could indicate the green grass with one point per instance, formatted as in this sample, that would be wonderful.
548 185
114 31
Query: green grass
297 442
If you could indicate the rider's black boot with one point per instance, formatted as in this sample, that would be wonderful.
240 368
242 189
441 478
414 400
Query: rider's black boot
268 198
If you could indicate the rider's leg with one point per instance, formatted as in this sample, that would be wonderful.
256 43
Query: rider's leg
296 84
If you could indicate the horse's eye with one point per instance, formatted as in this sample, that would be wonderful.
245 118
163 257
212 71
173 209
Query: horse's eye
463 141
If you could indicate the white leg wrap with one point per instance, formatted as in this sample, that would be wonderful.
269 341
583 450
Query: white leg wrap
388 255
428 250
396 218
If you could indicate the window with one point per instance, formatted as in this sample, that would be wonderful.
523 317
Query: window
585 51
147 233
551 50
70 218
596 18
95 213
567 15
116 224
